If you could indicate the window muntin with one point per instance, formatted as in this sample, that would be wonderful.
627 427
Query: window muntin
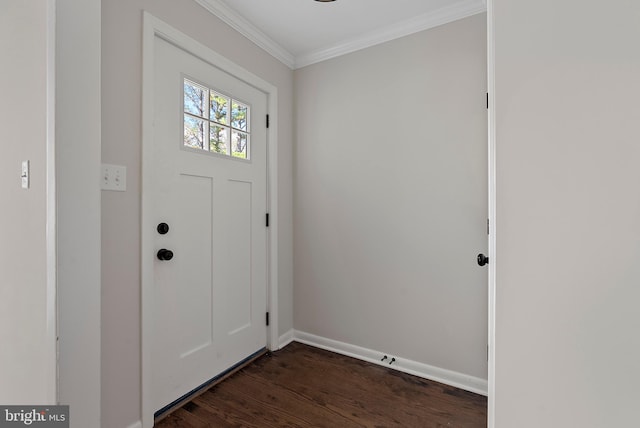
221 118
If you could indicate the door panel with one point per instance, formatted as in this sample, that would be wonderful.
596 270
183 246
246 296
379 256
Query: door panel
237 264
194 240
210 299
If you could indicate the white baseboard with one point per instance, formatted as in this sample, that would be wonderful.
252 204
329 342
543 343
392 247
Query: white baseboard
286 339
448 377
136 425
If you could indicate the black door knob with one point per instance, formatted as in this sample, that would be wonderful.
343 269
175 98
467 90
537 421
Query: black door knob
163 228
482 259
165 254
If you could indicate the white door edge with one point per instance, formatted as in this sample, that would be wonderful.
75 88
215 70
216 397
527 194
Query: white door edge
51 225
491 376
152 28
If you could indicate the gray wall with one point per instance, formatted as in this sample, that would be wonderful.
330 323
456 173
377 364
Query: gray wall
27 359
568 213
391 198
121 134
77 130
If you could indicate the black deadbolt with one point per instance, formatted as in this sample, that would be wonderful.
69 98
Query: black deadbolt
163 228
482 259
165 254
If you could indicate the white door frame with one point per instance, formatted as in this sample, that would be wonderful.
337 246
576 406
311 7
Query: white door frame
491 85
152 28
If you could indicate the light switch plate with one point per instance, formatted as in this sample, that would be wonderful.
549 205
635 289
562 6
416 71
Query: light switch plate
25 174
114 177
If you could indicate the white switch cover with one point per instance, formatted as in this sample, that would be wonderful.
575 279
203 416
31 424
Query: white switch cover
25 174
114 177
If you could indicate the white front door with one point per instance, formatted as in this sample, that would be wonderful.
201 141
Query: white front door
209 197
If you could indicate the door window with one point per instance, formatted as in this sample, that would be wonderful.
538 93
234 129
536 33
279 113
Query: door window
215 122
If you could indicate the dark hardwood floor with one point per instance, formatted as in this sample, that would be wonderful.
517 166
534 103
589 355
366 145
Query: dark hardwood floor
302 386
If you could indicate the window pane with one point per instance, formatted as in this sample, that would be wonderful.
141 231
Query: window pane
195 99
219 105
193 132
219 139
239 116
240 145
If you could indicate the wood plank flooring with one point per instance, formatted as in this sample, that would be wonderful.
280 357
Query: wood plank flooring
302 386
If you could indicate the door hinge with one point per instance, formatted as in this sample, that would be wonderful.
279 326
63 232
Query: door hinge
267 219
267 319
487 101
488 227
267 121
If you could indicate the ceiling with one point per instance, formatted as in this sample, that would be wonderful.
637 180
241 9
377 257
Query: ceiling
303 32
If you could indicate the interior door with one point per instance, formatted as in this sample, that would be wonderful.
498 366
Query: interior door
209 198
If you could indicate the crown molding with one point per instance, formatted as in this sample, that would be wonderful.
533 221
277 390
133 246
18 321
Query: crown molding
244 27
454 12
445 15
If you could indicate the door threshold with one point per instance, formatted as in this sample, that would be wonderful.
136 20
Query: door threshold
189 396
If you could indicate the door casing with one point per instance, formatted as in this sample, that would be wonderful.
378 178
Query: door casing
152 28
491 117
